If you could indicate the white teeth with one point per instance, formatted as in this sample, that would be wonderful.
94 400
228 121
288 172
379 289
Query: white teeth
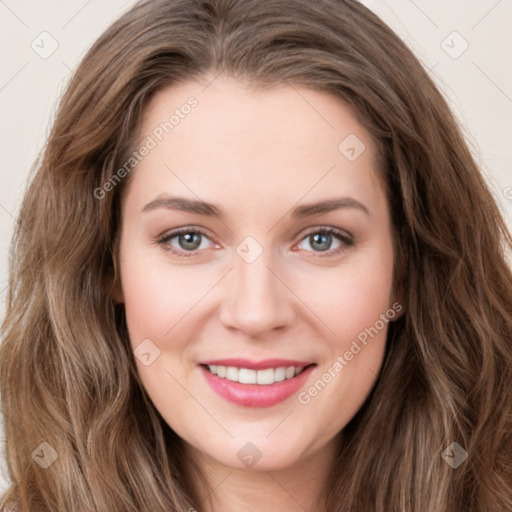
232 373
290 372
280 374
246 376
262 377
266 376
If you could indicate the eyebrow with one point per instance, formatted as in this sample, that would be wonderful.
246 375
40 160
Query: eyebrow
211 210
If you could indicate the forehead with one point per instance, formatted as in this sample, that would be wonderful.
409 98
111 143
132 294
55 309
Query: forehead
245 143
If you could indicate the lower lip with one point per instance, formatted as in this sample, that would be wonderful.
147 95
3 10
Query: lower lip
256 395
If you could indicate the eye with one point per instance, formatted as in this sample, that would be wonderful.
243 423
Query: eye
188 241
321 239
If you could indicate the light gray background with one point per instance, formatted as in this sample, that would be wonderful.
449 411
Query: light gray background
478 83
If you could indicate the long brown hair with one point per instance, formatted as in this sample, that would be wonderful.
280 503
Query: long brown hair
68 376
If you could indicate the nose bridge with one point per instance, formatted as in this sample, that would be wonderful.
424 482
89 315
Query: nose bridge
258 301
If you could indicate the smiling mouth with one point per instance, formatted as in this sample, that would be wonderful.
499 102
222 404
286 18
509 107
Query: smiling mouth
264 377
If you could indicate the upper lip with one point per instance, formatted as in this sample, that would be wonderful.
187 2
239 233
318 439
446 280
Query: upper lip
257 365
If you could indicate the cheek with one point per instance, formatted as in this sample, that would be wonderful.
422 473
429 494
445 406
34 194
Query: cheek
159 296
150 308
352 297
360 301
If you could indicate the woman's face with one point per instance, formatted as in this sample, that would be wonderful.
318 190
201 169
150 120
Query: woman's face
259 273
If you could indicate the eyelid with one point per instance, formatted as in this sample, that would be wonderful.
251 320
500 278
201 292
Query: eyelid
326 229
346 239
165 238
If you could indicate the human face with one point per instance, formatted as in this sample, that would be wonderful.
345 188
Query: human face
255 282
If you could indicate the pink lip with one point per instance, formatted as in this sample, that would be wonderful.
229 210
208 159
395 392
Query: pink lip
256 395
257 365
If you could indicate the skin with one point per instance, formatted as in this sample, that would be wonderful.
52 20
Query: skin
256 154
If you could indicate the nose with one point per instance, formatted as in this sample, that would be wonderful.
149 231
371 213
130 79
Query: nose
257 299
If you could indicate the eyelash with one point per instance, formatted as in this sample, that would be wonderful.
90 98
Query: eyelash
342 236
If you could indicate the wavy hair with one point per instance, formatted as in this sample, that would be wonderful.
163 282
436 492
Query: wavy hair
68 376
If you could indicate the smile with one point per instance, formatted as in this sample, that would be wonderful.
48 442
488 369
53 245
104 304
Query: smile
248 387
